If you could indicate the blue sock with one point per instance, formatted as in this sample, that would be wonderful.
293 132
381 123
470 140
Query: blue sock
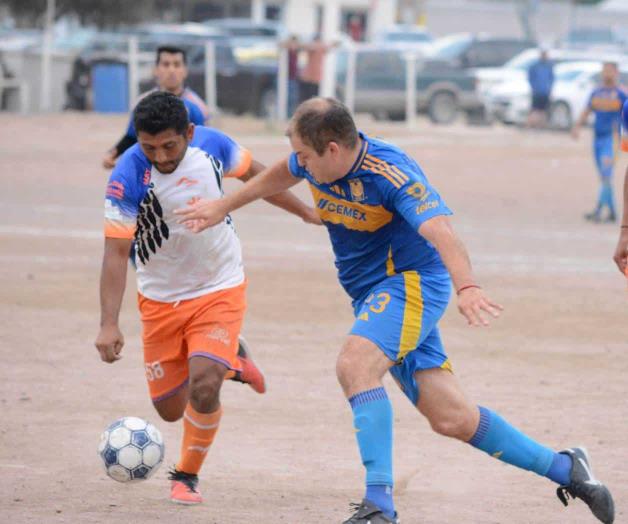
560 470
499 439
607 196
373 422
381 496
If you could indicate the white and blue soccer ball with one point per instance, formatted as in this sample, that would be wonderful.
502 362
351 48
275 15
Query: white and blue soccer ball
131 449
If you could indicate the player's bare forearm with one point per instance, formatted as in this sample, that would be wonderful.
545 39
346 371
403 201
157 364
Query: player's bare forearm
580 122
113 279
285 200
439 232
472 302
264 184
621 251
207 213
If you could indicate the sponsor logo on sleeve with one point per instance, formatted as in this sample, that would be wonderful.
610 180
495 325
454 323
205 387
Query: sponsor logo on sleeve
115 190
432 204
418 191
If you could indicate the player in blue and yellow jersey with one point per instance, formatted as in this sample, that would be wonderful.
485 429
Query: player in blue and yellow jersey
170 74
621 251
397 256
606 103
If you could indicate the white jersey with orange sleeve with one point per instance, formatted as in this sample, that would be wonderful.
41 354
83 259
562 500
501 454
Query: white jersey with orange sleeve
172 262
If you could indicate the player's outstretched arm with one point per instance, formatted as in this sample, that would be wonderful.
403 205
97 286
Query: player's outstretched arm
621 251
472 302
110 340
575 130
207 213
285 200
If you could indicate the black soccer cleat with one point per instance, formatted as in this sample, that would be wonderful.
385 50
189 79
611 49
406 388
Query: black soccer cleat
369 513
586 487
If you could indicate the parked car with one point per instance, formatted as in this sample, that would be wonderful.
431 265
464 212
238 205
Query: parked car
574 81
245 27
516 69
467 51
600 38
114 46
246 78
381 86
405 36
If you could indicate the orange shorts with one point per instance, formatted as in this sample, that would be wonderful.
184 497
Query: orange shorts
207 326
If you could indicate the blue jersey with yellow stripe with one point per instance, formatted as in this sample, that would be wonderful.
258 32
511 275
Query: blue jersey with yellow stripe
624 127
606 103
373 214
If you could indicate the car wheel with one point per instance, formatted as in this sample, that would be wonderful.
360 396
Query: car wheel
560 116
442 107
268 104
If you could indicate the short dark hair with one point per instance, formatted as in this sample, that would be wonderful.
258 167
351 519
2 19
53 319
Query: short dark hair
160 111
173 50
319 121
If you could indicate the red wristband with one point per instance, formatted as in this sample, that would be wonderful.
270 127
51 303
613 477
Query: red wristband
467 287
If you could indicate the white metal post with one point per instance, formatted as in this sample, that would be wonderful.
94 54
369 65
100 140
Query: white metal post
411 69
350 78
45 101
258 11
133 70
331 26
210 77
282 85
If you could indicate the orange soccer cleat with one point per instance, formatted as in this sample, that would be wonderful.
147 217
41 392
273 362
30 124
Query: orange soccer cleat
250 373
184 488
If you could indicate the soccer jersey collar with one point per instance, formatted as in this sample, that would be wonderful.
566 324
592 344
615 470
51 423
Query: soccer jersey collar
363 150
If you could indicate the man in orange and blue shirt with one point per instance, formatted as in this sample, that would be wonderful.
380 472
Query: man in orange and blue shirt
191 288
397 256
606 102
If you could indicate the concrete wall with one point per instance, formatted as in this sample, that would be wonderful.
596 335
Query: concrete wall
27 67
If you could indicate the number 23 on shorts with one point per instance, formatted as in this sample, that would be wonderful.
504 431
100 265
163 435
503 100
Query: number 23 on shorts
378 302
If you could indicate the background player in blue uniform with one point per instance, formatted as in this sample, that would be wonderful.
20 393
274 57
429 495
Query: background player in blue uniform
606 102
397 255
170 74
621 252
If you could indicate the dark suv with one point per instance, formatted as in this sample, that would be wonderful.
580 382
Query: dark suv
445 84
246 76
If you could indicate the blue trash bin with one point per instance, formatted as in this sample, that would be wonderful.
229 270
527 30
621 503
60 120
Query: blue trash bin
110 86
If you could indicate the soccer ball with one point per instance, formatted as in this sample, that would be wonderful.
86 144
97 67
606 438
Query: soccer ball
131 449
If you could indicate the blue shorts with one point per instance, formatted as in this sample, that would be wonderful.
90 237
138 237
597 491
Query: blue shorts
400 316
604 152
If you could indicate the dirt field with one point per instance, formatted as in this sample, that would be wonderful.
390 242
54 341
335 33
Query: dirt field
555 364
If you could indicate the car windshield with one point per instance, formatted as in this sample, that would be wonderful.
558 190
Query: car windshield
598 36
450 47
568 75
408 37
522 61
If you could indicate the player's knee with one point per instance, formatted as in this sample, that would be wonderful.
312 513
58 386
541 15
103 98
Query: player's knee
205 392
169 415
456 423
349 370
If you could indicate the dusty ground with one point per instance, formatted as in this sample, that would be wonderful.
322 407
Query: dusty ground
555 364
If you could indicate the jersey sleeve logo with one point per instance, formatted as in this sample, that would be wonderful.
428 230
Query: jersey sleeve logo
418 191
115 190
